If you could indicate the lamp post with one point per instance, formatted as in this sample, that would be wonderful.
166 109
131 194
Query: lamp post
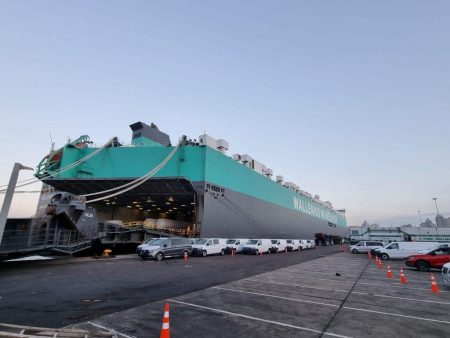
9 195
437 211
420 217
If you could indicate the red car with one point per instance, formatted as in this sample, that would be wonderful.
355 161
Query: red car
435 258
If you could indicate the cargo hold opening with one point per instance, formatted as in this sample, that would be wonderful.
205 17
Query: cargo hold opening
169 205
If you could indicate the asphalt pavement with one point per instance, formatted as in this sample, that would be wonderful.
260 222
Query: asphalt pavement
62 292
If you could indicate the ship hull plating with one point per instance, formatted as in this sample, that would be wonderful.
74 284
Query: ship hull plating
233 214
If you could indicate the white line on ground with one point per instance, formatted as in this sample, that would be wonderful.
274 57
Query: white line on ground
273 296
293 284
396 315
332 305
402 298
353 292
258 319
106 328
359 283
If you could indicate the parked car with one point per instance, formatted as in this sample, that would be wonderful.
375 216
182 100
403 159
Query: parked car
446 273
147 241
293 244
278 245
235 244
257 246
310 244
435 258
162 248
365 246
209 246
399 250
303 244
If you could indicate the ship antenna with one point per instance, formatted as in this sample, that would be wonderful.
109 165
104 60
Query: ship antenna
52 146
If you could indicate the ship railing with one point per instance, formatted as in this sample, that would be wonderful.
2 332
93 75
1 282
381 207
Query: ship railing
18 240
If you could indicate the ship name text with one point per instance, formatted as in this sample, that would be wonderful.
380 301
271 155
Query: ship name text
314 210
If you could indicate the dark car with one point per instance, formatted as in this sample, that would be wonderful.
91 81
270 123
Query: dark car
435 258
166 247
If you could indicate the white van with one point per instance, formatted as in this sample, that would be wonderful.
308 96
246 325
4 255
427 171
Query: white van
257 246
278 245
209 246
310 244
293 244
235 244
303 244
400 250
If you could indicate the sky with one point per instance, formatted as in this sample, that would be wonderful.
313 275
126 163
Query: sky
348 99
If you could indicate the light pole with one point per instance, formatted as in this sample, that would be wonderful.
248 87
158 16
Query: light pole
420 217
9 195
437 211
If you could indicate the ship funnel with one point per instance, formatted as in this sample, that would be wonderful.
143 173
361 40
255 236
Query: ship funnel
144 134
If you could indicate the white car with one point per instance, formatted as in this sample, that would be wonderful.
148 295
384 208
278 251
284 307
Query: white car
278 245
303 244
235 244
365 246
293 244
446 273
311 244
257 246
209 246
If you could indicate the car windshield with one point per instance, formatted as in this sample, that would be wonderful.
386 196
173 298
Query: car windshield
201 241
289 241
150 240
252 241
231 241
274 241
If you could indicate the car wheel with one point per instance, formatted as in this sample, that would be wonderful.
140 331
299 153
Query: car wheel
204 253
422 266
384 256
256 252
159 256
354 251
222 252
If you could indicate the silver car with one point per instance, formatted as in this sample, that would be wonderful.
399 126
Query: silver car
365 246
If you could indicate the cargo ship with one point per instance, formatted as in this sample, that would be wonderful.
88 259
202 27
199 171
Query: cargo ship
191 188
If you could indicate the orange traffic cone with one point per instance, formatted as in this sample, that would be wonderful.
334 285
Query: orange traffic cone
434 286
380 264
403 279
369 255
285 250
165 330
232 252
389 272
185 256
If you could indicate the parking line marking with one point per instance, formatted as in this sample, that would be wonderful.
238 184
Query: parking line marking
273 296
353 292
332 305
293 284
257 319
397 286
403 298
106 328
396 315
362 283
